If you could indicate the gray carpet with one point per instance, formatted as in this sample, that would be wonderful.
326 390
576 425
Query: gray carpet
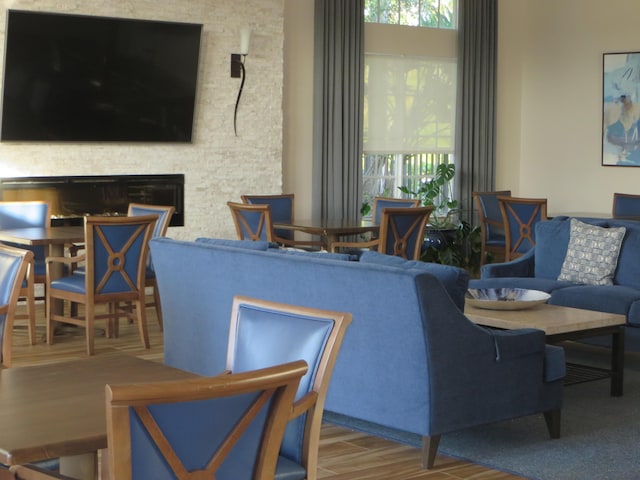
600 436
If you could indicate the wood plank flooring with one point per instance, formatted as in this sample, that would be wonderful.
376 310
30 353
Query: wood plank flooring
344 454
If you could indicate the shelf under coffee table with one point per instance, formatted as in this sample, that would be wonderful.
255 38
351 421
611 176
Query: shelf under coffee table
565 323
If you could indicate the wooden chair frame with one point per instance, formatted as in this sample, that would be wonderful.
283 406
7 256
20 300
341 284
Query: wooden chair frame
313 402
526 225
94 296
389 230
486 223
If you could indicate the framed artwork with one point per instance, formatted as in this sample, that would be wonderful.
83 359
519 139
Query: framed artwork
621 109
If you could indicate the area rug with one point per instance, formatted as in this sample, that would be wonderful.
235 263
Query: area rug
600 437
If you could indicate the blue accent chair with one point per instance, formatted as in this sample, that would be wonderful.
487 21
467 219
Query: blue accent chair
491 225
115 271
266 333
626 205
282 211
14 263
401 233
228 427
28 214
520 216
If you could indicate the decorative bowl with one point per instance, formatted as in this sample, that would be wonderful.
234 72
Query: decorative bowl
505 298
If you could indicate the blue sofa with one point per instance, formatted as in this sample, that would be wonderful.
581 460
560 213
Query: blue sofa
410 359
539 269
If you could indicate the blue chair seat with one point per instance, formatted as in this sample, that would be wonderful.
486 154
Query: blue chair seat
72 283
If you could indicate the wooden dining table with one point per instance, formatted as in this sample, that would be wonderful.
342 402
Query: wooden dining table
329 231
58 410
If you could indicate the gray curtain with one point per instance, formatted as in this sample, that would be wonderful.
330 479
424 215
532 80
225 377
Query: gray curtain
476 109
338 99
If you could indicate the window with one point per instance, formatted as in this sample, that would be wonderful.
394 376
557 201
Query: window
417 13
409 121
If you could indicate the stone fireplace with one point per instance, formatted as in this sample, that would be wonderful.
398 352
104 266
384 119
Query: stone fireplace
73 197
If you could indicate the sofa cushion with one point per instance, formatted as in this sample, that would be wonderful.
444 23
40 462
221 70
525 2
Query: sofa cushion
602 298
592 254
552 239
455 280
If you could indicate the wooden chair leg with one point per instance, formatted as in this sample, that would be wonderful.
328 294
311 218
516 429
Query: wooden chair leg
552 418
157 305
142 321
429 450
89 327
29 296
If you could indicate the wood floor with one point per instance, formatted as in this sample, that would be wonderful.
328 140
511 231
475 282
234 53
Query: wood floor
344 454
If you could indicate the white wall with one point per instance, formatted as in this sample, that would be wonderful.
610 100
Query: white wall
218 166
550 100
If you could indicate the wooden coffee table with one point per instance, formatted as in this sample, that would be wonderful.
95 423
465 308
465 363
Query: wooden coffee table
564 323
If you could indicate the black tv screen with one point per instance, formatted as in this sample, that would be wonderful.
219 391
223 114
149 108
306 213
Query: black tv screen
77 78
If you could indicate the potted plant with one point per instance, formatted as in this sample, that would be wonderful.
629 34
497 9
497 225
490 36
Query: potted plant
448 239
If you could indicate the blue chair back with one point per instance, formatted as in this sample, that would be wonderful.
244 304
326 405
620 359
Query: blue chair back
252 222
282 208
227 427
26 215
402 231
265 333
626 205
117 249
520 216
13 268
380 203
164 214
490 215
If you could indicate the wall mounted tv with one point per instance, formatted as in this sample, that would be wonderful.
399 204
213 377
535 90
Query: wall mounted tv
77 78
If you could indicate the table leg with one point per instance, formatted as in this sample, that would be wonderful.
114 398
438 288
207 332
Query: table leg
80 467
617 362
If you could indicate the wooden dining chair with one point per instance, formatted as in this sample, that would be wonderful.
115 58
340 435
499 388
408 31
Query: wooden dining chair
491 224
282 212
626 205
264 333
27 214
401 233
520 216
14 264
380 203
252 222
115 267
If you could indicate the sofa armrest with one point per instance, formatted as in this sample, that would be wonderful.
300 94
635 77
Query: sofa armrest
520 267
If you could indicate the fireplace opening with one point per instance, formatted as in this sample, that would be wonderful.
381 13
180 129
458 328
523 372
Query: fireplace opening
73 197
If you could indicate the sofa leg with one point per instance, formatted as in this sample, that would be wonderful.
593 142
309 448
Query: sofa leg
429 450
552 417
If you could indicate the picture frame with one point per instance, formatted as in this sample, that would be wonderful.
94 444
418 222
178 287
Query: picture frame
621 109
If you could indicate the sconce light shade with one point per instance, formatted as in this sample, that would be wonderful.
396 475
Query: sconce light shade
245 37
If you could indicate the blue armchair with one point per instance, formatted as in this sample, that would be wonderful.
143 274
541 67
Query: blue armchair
498 374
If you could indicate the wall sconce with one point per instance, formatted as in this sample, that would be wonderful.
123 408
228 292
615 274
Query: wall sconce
237 68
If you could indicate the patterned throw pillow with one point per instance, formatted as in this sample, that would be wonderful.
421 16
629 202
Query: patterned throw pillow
592 255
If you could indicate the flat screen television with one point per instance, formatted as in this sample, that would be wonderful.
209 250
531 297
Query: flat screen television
77 78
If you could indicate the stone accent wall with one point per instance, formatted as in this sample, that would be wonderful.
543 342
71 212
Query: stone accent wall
218 166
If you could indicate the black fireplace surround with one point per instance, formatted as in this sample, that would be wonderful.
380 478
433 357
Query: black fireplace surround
73 197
